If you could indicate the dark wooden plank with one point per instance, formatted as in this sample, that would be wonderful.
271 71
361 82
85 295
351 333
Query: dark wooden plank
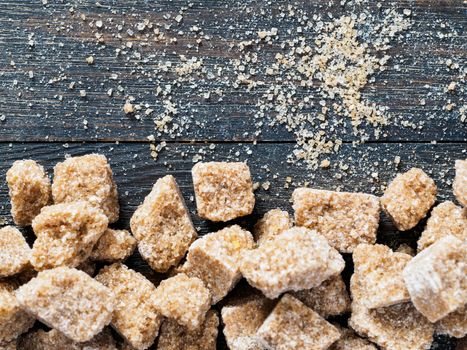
34 109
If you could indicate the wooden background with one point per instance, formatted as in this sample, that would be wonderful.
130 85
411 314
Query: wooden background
42 119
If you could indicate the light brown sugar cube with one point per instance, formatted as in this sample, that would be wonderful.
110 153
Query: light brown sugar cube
183 299
135 317
436 278
459 185
445 219
87 178
14 252
223 191
214 259
408 198
113 246
274 222
241 318
162 226
176 337
345 219
68 300
13 319
454 324
295 260
330 298
292 325
350 341
379 271
66 234
29 189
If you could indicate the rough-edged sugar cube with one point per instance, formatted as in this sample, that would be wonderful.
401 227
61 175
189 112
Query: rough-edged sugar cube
87 178
14 252
66 234
135 317
113 246
13 319
293 325
68 300
274 222
379 271
295 260
408 198
29 189
445 219
330 298
436 278
345 219
223 190
10 346
214 258
454 324
396 327
162 225
175 337
350 341
459 185
183 299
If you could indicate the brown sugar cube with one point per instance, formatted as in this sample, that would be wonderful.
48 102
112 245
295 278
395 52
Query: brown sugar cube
396 327
345 219
460 182
271 224
183 299
13 319
454 324
330 298
295 260
214 259
113 246
9 346
135 317
379 271
292 325
14 252
66 234
408 198
241 318
87 178
175 337
436 278
68 300
29 190
162 226
446 219
223 191
350 341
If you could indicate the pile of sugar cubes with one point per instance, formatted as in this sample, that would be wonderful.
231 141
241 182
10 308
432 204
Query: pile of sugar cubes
51 297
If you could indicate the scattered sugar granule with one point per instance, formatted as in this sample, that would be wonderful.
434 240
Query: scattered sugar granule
183 299
128 108
292 325
241 318
445 219
223 191
113 246
29 189
408 198
350 341
330 298
379 271
214 258
135 317
345 219
87 178
271 224
454 324
175 337
14 252
13 319
69 301
295 260
162 225
436 278
459 185
66 234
